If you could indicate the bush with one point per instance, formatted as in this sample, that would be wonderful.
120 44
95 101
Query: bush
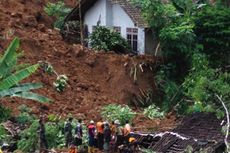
4 137
60 83
203 83
29 138
25 116
114 112
5 113
212 27
108 40
153 112
58 10
55 137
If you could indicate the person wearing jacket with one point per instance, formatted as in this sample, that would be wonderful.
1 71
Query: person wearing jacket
78 133
107 137
91 134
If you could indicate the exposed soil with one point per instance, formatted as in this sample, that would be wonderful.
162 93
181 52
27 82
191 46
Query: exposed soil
95 79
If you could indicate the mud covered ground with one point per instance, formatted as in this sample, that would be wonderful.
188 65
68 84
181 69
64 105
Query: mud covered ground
95 79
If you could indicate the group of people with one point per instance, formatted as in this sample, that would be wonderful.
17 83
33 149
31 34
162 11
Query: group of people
103 136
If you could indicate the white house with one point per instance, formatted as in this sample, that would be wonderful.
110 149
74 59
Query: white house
120 15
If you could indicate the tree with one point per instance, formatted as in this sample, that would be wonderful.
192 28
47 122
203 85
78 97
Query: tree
11 74
194 40
212 26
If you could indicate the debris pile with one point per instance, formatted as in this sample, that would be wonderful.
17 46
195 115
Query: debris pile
199 131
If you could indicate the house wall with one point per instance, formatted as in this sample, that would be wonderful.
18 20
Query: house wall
113 15
150 42
93 14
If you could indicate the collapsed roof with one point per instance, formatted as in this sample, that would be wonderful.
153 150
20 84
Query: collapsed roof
199 130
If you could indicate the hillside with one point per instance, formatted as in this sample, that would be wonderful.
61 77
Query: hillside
95 79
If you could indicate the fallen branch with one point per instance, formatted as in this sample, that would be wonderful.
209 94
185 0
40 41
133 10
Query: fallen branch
228 124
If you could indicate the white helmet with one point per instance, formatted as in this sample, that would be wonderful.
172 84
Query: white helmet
117 122
91 122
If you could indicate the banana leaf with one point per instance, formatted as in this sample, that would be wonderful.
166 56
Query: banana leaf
32 96
20 88
9 59
14 79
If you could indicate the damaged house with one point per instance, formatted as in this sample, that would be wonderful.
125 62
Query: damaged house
120 15
198 131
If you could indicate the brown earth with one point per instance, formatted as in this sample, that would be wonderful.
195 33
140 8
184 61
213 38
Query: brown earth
95 79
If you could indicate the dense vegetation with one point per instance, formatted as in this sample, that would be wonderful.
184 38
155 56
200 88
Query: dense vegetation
194 39
59 11
107 39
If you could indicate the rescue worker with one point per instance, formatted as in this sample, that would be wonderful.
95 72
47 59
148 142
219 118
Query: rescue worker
68 132
42 136
113 129
107 137
100 135
127 130
119 133
91 134
72 149
78 133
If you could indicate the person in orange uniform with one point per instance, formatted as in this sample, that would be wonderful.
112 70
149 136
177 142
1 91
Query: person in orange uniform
100 134
127 130
72 149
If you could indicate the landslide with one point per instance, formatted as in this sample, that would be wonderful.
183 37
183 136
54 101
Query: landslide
95 79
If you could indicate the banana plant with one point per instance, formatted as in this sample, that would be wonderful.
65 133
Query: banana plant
11 76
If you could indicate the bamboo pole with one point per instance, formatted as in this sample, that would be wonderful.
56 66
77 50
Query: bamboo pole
81 24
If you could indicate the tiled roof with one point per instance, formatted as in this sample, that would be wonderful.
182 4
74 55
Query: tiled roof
133 11
199 130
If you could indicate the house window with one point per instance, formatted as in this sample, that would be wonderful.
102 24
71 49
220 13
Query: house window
132 38
117 29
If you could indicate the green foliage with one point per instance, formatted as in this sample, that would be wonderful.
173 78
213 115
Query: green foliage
10 78
47 67
171 90
147 151
29 138
107 39
58 10
114 112
55 137
60 83
5 113
212 27
4 137
203 83
191 35
25 116
153 112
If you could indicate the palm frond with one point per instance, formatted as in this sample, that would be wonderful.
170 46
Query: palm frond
9 59
32 96
20 88
14 79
